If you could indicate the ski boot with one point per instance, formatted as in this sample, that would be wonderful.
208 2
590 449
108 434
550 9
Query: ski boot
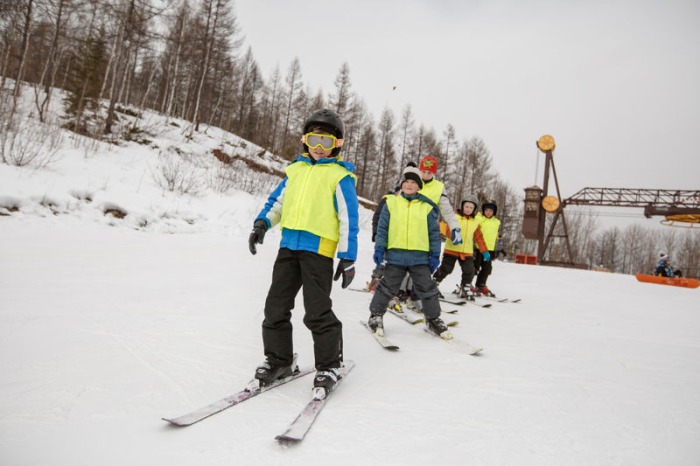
267 373
415 306
468 293
483 290
376 324
394 304
324 382
438 327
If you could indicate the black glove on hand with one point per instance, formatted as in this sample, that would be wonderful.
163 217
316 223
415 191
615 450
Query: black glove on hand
257 235
346 268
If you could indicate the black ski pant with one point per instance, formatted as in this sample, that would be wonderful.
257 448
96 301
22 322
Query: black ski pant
483 268
292 271
448 265
424 286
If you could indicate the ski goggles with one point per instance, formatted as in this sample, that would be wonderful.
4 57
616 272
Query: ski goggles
324 141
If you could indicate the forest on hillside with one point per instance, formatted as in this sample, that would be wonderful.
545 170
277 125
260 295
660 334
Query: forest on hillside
188 60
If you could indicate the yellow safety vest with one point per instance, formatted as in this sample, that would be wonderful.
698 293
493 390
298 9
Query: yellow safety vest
489 228
309 197
467 226
433 190
408 224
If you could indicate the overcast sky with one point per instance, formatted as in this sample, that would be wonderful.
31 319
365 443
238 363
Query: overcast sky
617 83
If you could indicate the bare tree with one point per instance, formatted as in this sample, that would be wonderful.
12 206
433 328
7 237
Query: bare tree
387 160
610 248
26 25
316 102
217 20
249 82
340 100
134 19
271 102
48 76
367 157
669 241
446 167
173 56
354 125
478 167
632 243
292 93
406 128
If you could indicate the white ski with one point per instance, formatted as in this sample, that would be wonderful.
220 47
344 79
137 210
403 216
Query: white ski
298 429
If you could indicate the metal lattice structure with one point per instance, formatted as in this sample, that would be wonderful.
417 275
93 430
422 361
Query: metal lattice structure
664 202
680 207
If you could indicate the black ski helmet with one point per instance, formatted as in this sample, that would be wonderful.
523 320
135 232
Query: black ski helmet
489 204
328 120
472 199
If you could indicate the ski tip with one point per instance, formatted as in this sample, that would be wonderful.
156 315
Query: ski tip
286 440
174 422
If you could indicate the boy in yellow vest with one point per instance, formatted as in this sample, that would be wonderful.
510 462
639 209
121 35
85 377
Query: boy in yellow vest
317 208
408 239
489 228
436 192
472 238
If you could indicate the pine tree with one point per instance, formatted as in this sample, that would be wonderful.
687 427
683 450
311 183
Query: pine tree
85 80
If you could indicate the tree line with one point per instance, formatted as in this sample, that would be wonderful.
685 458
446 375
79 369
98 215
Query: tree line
186 59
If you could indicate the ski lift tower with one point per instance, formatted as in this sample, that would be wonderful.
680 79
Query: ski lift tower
538 203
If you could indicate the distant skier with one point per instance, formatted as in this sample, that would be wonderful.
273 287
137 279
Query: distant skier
489 228
317 208
664 269
463 253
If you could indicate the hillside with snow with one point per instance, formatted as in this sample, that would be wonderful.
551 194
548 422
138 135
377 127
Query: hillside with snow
122 302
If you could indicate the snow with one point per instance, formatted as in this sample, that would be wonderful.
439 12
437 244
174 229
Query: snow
107 325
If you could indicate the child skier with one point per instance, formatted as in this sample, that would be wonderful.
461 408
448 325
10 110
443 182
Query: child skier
316 206
408 238
436 192
489 229
472 237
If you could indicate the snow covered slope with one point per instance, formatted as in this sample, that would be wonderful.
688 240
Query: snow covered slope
107 325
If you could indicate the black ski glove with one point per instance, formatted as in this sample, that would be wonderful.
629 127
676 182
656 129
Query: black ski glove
346 268
257 235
